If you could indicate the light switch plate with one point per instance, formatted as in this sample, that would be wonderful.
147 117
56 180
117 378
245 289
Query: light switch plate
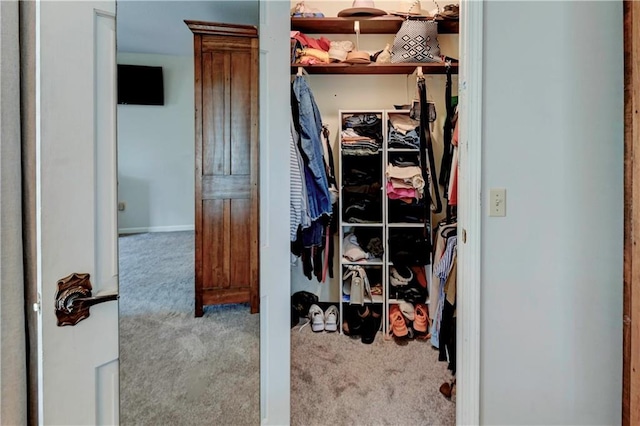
498 202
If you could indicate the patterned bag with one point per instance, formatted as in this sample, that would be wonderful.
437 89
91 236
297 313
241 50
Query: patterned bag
416 41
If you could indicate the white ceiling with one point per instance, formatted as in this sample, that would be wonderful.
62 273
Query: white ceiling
158 26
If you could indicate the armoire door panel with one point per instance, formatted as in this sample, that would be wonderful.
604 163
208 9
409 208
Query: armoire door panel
214 114
240 102
215 238
240 243
226 187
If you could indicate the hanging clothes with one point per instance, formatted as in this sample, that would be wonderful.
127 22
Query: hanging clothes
298 206
311 147
453 179
312 241
442 271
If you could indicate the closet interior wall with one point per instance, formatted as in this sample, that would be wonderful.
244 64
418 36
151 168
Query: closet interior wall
351 92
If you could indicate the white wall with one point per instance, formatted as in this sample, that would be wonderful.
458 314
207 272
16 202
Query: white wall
551 297
156 151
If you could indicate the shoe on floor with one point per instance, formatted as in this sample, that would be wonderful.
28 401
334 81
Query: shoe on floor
316 318
331 318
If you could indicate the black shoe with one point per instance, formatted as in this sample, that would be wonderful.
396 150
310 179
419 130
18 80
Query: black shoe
371 324
352 324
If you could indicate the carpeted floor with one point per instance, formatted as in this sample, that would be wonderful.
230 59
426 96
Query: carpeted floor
176 369
338 380
179 370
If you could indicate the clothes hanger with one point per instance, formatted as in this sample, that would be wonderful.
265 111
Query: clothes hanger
449 231
302 72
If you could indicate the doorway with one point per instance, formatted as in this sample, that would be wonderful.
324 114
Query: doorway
166 354
335 93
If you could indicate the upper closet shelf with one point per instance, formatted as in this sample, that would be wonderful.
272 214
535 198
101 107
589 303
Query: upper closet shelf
388 24
373 68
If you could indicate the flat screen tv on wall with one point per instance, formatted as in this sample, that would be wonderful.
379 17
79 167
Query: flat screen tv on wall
140 85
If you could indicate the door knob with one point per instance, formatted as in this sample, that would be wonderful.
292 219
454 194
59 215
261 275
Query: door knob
74 298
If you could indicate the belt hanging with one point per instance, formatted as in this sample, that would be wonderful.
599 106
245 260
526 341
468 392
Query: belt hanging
426 150
447 153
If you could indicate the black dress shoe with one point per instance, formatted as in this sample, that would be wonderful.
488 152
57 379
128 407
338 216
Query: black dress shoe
352 325
371 324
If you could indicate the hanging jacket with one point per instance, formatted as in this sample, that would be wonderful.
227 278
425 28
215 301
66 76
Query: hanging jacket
311 146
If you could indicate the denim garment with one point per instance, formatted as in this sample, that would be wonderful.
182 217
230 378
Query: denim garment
369 125
361 120
313 235
311 144
410 140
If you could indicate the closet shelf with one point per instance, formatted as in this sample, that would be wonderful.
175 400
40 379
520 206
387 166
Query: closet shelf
363 224
377 262
405 225
396 301
388 24
373 68
376 299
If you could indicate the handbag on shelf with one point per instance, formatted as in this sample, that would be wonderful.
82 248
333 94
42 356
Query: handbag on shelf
356 285
416 41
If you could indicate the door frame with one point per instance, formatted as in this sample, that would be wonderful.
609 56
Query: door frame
275 343
631 271
469 212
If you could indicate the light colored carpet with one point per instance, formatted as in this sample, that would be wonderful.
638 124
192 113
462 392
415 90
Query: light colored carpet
338 380
176 369
179 370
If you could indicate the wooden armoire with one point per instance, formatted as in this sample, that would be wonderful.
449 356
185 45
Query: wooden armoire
226 164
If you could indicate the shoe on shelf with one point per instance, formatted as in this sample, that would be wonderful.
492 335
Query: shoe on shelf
420 318
331 318
398 323
407 310
316 318
371 324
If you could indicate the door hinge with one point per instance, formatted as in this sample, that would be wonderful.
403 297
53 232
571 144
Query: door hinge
37 306
464 235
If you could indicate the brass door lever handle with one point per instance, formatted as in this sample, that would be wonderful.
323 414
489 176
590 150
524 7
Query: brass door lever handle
73 299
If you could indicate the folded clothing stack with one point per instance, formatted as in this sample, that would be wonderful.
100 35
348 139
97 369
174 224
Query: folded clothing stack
404 183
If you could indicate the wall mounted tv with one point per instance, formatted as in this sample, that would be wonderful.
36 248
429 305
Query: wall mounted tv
140 85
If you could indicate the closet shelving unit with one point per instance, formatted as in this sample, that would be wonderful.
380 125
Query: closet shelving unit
346 166
385 227
388 24
392 226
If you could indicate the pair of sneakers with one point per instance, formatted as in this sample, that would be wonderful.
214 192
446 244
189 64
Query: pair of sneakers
323 321
408 321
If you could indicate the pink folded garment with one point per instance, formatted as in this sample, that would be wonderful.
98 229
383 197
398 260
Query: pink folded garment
398 193
321 43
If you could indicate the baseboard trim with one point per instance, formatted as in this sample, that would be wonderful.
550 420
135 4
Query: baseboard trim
174 228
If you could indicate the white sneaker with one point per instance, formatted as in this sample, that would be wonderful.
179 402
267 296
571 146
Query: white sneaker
331 318
316 318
